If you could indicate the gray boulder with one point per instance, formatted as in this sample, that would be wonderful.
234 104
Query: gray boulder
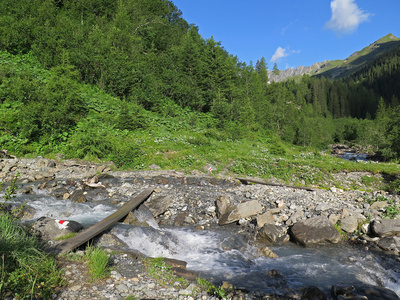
272 234
223 202
78 196
349 224
383 228
312 293
158 205
265 218
49 229
378 293
366 292
390 243
315 231
239 211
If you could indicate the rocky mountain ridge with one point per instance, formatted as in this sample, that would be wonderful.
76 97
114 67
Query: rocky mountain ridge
337 69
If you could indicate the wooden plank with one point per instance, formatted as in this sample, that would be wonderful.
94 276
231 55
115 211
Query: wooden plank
89 233
247 180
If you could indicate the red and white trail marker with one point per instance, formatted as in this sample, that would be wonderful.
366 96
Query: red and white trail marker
62 224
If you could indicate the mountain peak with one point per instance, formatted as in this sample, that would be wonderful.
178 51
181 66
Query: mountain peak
386 39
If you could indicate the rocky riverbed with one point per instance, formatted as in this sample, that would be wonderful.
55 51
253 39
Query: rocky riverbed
265 215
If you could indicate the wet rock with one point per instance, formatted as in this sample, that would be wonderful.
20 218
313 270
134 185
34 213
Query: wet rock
378 293
59 193
49 229
26 190
267 252
78 196
93 182
313 293
343 292
362 293
390 243
241 211
272 234
314 231
383 228
274 273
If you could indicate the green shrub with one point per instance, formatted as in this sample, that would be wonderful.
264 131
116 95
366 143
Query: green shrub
187 161
394 186
276 149
91 139
126 155
211 288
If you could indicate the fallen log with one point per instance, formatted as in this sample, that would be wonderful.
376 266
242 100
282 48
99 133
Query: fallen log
89 233
247 180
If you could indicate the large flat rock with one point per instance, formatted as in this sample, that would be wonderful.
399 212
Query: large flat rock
315 231
383 228
239 211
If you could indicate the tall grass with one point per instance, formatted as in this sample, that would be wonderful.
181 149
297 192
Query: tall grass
26 271
97 262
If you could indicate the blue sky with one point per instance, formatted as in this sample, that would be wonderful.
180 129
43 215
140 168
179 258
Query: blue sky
292 33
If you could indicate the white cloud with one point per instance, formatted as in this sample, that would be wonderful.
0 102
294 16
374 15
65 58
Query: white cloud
279 53
346 16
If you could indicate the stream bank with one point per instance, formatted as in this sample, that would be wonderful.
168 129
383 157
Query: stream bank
192 202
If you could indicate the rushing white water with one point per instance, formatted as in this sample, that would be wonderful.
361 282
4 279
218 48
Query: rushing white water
224 256
43 204
84 213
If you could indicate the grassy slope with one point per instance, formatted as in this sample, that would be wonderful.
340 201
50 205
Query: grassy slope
179 139
360 58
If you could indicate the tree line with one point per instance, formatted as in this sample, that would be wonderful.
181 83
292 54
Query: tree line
145 54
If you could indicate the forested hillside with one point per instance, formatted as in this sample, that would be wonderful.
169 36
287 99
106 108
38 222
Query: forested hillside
96 78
